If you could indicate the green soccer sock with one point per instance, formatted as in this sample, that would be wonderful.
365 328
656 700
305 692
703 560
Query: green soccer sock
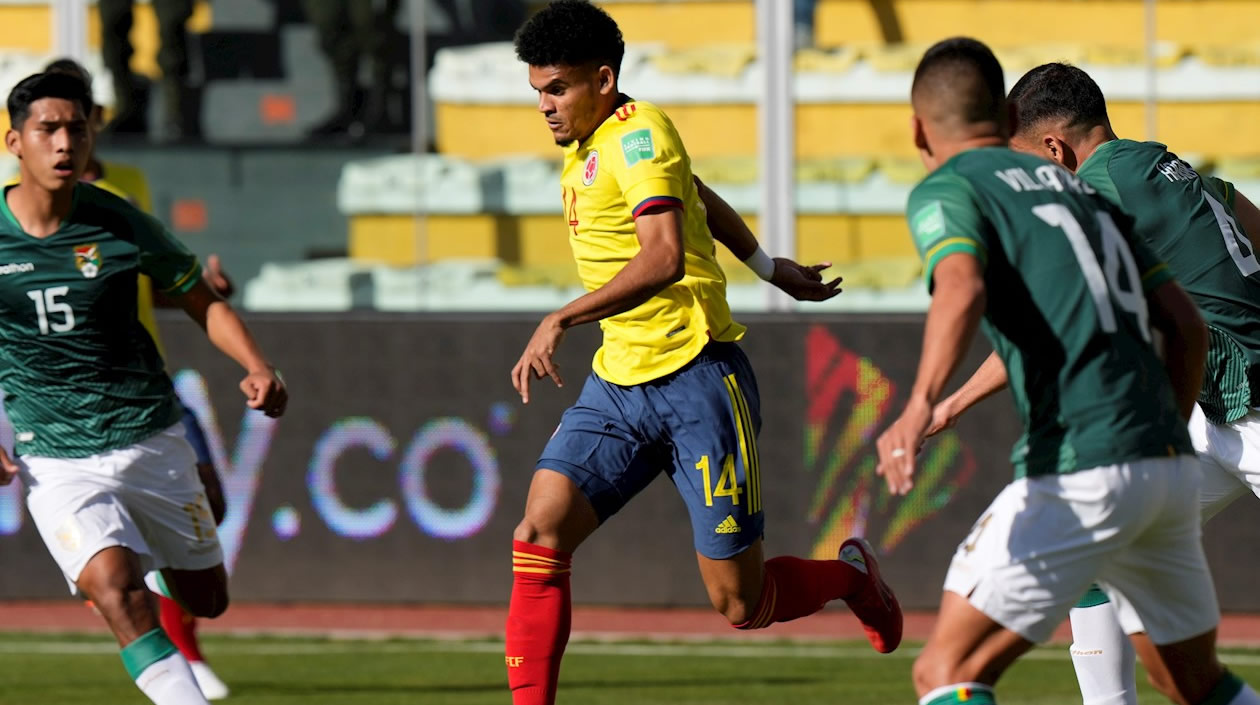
160 672
1094 596
151 647
969 693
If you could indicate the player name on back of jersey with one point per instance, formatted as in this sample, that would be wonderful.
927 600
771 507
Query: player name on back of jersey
1176 170
16 268
1047 177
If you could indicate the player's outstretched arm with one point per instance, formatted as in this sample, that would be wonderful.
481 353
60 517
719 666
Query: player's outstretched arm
659 263
1175 315
262 385
798 281
958 301
989 379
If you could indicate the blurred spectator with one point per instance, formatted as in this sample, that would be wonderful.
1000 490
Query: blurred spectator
803 18
116 22
349 32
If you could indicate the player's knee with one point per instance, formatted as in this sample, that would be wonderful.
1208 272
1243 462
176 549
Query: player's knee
527 532
121 602
207 603
737 611
736 607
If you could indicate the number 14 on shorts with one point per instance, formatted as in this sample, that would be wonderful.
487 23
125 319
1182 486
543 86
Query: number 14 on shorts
727 484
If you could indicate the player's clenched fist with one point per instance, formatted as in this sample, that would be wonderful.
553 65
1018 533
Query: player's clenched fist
536 360
265 390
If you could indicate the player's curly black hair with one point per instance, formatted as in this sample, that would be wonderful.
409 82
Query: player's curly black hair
46 85
1059 91
571 33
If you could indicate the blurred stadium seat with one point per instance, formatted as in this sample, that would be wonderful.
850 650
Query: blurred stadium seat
490 192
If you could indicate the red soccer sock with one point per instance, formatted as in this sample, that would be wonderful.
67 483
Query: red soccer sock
796 587
181 627
539 617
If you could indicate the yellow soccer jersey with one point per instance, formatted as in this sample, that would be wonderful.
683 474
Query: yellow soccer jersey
633 161
129 183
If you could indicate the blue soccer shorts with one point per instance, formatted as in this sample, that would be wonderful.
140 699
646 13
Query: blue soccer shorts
196 437
699 425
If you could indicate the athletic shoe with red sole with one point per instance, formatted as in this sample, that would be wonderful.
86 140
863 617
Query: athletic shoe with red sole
875 606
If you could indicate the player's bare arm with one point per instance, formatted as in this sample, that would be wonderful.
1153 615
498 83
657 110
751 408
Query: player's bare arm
1175 315
989 379
957 304
798 281
1247 214
659 263
262 386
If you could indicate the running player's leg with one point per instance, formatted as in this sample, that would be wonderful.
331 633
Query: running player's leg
594 463
1231 460
93 537
170 506
1161 586
710 410
965 655
178 623
1102 654
1026 562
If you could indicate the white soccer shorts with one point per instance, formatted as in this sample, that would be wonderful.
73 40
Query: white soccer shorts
1231 459
146 497
1133 527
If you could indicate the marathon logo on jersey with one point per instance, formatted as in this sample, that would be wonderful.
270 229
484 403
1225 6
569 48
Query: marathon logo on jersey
87 258
591 170
16 268
638 146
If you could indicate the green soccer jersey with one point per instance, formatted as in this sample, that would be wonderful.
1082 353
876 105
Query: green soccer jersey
1188 221
1066 310
80 374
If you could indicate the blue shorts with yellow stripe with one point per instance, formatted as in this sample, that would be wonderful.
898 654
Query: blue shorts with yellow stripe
699 425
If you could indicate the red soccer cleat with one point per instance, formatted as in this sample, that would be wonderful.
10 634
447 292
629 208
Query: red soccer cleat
874 605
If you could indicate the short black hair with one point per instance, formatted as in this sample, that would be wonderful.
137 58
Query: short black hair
571 33
70 67
1059 91
47 85
965 78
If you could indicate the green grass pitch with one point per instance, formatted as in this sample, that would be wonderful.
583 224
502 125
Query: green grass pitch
41 669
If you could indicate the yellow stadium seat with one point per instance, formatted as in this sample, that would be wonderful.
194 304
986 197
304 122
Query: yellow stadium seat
716 60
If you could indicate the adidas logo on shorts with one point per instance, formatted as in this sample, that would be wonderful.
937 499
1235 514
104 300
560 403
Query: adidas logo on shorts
728 526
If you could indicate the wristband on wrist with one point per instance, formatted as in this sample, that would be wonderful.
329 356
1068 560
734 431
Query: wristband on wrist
761 264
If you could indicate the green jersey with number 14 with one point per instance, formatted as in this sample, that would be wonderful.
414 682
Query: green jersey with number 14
1066 309
80 374
1189 222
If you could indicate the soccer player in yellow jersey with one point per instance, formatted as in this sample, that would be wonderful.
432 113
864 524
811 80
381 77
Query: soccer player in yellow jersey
129 183
671 390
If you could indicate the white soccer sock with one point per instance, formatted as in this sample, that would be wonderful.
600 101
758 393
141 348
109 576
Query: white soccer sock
1103 656
171 682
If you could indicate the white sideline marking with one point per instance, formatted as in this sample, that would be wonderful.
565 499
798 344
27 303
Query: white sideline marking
761 651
